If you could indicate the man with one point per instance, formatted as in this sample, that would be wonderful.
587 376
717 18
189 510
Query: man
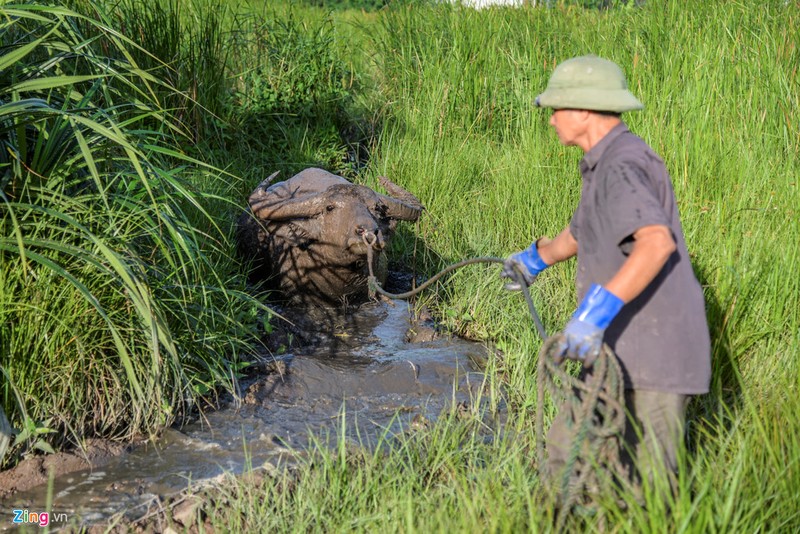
635 284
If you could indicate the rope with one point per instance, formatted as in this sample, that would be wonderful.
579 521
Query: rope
369 239
596 413
374 286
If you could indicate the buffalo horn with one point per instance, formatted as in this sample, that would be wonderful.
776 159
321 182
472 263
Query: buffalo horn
401 205
277 210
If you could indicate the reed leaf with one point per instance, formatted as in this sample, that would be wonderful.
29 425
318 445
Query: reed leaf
98 219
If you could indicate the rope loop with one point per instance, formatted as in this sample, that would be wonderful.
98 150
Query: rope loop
593 405
369 239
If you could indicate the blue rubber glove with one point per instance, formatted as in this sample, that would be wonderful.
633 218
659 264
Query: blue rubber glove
583 335
528 262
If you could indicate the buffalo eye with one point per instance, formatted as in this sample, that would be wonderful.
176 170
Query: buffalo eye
330 207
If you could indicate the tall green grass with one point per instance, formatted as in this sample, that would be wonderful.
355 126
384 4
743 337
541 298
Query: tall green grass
721 88
132 133
718 81
109 290
118 303
459 476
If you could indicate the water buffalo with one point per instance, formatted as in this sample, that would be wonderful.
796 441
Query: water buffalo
308 236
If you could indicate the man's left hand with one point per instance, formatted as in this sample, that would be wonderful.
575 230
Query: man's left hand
583 336
582 342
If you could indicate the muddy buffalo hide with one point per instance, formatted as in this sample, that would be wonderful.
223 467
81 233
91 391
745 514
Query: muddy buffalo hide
307 237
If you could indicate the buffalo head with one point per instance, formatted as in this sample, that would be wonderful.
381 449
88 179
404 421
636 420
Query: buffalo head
308 236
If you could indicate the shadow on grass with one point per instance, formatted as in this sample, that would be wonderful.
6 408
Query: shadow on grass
725 396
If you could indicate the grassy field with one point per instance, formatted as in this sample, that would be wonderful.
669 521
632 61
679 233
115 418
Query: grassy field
108 243
720 84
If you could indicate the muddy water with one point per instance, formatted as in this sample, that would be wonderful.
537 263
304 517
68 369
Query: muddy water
364 380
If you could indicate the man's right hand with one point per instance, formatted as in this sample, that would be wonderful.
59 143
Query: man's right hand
527 263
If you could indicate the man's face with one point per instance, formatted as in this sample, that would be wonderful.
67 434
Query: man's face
570 125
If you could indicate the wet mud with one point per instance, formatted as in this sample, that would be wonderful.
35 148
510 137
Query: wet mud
374 372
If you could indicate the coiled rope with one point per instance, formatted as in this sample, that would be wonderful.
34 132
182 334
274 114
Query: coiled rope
593 405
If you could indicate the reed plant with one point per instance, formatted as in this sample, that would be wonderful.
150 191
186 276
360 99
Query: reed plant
132 132
119 305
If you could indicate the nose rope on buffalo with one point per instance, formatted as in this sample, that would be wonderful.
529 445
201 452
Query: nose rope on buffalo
594 406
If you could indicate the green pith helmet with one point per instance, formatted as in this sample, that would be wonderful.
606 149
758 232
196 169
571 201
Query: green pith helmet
588 82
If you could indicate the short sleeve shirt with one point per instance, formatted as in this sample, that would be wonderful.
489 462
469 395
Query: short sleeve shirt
661 337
